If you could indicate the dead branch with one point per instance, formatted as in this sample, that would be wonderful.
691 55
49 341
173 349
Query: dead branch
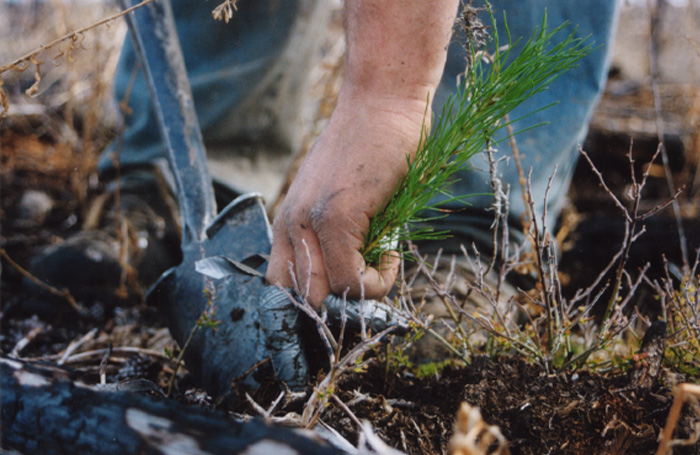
64 294
680 394
31 56
654 22
37 398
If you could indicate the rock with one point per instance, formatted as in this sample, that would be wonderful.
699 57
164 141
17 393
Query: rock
33 207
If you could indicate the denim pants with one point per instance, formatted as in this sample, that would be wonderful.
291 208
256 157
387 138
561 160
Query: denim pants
235 68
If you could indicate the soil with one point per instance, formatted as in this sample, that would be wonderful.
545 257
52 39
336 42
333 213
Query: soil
538 413
577 412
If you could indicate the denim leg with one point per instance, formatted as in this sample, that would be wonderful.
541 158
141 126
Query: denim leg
544 148
226 63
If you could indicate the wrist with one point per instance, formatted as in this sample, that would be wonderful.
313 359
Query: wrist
412 100
384 126
411 109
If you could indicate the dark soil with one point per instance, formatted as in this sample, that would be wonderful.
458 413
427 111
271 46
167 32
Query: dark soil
539 413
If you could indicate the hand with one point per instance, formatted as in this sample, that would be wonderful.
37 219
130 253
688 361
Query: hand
396 52
349 174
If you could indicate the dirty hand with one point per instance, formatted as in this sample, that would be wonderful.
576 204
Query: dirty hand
395 57
346 178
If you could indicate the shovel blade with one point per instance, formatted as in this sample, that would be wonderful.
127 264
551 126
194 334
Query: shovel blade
217 356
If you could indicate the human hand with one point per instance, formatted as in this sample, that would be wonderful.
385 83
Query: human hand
349 174
395 57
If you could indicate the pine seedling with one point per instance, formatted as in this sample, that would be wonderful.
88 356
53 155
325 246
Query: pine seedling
492 87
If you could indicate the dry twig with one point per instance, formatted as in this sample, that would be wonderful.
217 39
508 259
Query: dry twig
224 12
680 394
57 292
654 24
77 36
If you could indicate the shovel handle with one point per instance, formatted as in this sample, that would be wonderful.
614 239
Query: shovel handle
153 34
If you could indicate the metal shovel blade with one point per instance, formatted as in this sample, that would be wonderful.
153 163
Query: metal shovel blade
216 356
240 232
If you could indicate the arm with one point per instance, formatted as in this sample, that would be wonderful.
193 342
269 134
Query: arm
395 58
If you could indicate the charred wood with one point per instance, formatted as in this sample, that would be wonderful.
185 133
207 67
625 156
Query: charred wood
44 411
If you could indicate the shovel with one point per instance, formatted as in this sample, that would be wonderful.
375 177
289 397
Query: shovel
240 232
224 255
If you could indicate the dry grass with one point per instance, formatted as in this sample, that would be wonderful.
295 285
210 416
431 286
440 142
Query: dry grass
60 95
76 74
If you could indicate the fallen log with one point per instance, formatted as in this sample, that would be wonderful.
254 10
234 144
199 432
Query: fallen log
44 411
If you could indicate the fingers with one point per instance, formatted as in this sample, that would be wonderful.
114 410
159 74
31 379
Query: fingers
325 259
296 259
281 256
309 267
341 239
388 270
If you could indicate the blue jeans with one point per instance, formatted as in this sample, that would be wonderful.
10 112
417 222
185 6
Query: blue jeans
227 62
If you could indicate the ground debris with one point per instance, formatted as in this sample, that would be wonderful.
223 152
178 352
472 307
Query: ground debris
473 436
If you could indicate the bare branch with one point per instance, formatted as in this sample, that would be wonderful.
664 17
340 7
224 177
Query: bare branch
31 56
605 186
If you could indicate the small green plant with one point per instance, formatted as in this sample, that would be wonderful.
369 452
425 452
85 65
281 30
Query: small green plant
544 326
205 321
680 302
468 122
429 369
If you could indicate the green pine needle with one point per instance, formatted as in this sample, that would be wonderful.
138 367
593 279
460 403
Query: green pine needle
469 120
